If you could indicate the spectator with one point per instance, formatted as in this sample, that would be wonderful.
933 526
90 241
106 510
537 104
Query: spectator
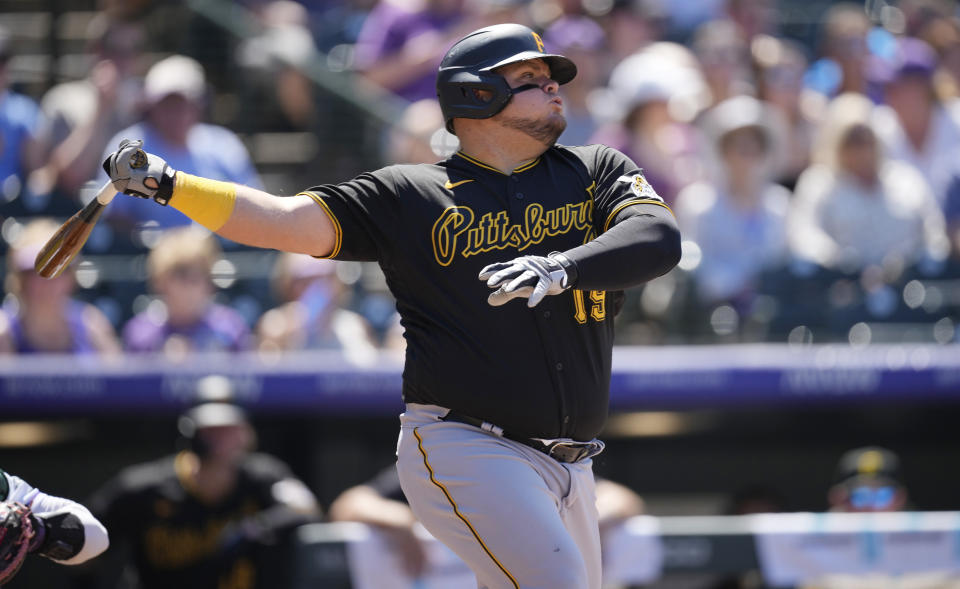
40 315
584 42
943 35
630 26
652 97
725 59
856 207
21 148
185 317
868 480
312 314
753 17
952 213
278 94
780 65
208 515
420 137
402 41
83 114
914 126
380 502
174 91
739 218
845 57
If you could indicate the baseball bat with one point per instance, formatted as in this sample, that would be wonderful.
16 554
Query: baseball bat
67 242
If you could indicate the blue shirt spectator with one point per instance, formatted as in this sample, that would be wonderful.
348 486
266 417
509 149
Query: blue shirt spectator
19 124
174 89
211 151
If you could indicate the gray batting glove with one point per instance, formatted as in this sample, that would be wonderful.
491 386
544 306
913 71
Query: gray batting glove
533 277
138 173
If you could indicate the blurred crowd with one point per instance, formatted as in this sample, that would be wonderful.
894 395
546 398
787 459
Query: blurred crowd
812 169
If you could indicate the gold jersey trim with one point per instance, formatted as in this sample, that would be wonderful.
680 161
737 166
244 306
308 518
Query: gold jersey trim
635 201
338 231
477 162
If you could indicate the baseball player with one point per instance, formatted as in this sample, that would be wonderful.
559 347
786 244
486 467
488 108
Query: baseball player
504 398
32 521
208 516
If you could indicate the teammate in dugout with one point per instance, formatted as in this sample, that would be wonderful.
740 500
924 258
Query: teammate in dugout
33 522
215 514
504 400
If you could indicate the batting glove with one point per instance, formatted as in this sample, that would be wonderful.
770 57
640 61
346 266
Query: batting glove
533 277
138 173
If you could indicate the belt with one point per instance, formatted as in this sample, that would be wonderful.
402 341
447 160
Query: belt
560 450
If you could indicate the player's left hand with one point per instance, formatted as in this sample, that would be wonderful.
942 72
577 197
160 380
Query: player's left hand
533 277
138 173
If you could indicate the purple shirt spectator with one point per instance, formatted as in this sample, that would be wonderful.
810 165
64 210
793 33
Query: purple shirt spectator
80 341
387 30
220 330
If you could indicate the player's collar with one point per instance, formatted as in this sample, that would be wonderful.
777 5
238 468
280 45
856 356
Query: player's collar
521 168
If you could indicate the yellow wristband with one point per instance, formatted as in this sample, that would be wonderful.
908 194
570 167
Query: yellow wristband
208 202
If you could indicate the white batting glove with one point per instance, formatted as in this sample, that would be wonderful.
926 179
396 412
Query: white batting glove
533 277
138 173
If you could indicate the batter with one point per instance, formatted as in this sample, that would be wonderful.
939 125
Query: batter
504 398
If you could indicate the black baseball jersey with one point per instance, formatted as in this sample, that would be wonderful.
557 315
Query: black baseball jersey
174 538
541 372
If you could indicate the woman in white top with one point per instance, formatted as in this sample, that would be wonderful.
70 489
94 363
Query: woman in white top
738 220
856 207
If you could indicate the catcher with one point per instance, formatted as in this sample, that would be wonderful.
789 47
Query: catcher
32 522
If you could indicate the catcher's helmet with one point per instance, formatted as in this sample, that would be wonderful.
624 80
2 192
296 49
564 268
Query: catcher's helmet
469 63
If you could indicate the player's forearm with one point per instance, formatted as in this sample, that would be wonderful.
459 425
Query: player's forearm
635 250
71 534
253 217
363 504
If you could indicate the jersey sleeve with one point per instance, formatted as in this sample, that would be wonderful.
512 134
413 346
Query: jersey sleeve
619 183
364 212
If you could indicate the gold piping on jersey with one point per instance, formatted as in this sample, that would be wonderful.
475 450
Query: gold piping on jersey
477 162
451 185
526 167
184 465
456 510
338 232
635 201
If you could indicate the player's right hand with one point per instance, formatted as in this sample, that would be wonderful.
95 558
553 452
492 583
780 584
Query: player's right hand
138 173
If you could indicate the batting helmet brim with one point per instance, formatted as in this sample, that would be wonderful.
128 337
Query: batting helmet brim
562 70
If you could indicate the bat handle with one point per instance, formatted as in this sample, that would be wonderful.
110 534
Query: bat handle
106 193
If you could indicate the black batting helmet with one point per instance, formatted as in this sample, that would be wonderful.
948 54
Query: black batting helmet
468 66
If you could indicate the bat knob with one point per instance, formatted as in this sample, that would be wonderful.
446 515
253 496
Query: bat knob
138 159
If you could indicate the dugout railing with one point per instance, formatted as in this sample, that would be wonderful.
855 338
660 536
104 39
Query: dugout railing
787 549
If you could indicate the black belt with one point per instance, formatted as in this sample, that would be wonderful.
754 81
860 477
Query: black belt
560 450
